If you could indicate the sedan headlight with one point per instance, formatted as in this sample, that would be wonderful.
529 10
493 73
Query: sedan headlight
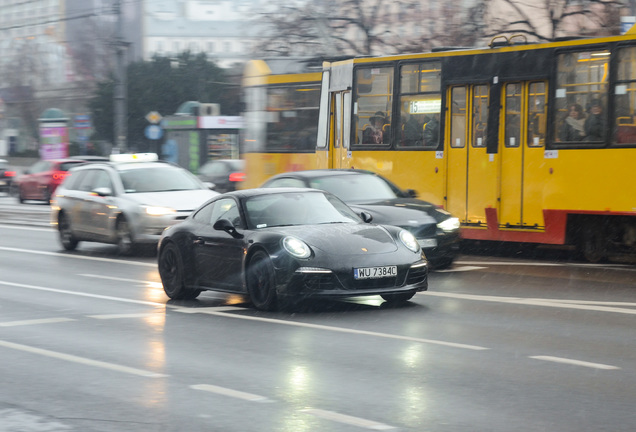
296 247
159 211
409 241
450 224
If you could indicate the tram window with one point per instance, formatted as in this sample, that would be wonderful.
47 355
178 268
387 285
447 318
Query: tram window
373 99
513 115
625 93
582 79
480 115
537 114
292 114
420 102
458 117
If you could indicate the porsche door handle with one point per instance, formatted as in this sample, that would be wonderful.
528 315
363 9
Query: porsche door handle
199 241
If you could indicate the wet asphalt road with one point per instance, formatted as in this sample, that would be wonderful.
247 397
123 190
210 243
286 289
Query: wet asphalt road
524 342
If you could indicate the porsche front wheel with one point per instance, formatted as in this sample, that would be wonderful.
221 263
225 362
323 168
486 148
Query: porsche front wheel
261 282
171 273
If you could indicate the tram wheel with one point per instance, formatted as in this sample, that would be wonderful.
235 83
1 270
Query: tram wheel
593 242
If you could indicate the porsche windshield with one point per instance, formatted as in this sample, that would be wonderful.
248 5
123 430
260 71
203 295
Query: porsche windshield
297 208
158 179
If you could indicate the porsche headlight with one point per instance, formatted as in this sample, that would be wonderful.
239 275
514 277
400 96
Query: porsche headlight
159 211
450 224
409 241
296 247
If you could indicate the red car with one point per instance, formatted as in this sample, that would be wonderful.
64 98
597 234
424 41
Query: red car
41 179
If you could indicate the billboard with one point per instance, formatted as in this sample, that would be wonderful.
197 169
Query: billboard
53 141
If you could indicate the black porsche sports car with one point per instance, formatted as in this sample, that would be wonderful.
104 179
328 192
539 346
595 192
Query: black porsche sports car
436 230
282 245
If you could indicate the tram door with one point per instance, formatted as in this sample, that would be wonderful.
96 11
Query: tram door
472 171
340 141
521 144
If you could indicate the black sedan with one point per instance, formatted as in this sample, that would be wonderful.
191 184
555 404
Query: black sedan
279 246
436 230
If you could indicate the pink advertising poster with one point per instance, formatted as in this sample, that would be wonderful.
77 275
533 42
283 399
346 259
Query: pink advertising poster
54 142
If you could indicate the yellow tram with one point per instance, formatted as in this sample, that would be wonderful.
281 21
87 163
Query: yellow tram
482 133
281 97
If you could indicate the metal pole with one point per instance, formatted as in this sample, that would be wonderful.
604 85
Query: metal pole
120 85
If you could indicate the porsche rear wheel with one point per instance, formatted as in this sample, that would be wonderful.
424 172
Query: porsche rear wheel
261 282
398 298
171 273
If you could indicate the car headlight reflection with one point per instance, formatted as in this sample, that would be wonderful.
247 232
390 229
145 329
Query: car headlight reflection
159 211
409 241
450 224
296 247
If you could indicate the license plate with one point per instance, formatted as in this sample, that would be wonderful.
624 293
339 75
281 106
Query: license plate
427 243
374 272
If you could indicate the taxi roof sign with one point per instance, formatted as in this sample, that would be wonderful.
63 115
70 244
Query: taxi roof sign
134 157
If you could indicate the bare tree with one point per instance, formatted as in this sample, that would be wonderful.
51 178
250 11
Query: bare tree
369 27
548 20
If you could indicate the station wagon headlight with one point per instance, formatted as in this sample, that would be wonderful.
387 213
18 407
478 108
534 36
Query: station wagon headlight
159 211
409 241
450 224
296 248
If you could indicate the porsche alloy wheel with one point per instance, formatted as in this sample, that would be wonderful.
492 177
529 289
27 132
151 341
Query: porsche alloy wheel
171 273
69 242
261 282
398 298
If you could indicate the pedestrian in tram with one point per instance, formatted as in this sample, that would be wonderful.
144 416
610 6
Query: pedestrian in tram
595 122
573 128
373 133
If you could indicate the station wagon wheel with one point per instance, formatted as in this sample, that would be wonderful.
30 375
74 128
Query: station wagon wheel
20 195
125 242
68 240
261 282
398 298
171 270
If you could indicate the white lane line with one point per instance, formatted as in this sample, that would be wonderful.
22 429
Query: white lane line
118 316
460 269
82 294
80 257
230 392
573 304
14 227
543 264
346 419
251 318
115 278
334 329
575 362
81 360
34 322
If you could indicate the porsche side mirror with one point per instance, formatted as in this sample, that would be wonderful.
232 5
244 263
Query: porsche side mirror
228 227
366 217
411 193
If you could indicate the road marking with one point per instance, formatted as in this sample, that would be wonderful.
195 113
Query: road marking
334 329
82 294
346 419
81 257
231 393
118 316
563 304
34 322
81 360
575 362
13 227
544 264
459 269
